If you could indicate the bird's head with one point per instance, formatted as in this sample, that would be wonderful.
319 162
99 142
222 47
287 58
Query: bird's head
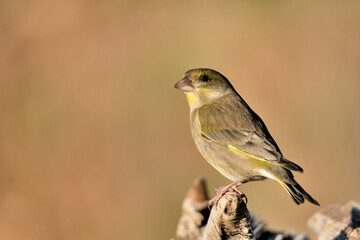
203 85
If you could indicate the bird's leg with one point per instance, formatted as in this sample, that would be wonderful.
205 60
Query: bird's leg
221 191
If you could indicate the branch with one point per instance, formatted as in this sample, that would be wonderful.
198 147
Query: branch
195 212
230 219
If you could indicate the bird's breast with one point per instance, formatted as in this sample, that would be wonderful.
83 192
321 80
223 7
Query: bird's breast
233 166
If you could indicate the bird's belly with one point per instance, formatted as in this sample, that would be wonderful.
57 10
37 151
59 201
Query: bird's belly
236 167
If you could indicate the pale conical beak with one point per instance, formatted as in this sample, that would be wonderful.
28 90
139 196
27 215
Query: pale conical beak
185 85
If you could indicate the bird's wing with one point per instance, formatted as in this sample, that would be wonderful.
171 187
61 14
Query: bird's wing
240 131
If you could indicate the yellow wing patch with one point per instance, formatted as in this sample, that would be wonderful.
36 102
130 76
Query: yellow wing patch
234 149
259 162
256 160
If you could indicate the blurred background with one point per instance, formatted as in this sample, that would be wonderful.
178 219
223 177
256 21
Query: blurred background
95 141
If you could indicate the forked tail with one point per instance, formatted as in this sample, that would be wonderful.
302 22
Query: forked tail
297 193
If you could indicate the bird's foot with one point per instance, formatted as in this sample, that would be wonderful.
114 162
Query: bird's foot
221 191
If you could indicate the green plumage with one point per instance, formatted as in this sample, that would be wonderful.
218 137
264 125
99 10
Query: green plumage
232 137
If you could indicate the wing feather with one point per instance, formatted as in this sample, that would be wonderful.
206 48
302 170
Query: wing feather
236 128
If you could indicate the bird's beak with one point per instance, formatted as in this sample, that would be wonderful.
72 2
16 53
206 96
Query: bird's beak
185 85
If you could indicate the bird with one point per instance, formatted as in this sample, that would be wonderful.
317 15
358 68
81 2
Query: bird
233 138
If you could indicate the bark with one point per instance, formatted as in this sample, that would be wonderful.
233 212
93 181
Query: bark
230 219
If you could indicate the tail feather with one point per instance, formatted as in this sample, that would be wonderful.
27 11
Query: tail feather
298 198
286 179
298 194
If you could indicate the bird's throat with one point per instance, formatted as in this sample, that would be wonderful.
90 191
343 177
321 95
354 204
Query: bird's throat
192 99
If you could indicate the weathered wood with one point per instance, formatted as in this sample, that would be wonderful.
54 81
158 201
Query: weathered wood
230 219
195 212
336 222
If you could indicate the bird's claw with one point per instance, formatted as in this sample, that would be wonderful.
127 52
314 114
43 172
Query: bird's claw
238 193
221 191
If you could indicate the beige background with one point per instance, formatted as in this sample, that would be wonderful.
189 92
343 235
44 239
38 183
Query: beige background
95 141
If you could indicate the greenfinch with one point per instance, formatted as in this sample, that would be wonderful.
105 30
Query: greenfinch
232 137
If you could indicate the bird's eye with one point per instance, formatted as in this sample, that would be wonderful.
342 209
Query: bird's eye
204 78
